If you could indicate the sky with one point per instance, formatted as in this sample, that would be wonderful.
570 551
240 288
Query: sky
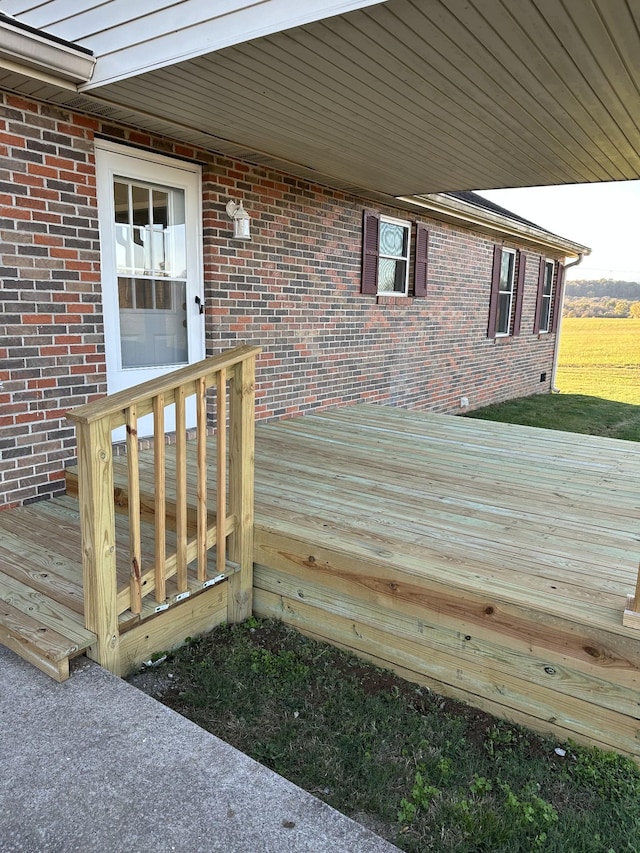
603 217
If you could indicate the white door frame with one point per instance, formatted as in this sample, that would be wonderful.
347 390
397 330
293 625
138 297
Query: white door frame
113 159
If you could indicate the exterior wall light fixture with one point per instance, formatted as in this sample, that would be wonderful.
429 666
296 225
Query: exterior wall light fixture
241 220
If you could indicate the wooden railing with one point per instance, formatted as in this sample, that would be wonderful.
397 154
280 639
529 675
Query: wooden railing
187 513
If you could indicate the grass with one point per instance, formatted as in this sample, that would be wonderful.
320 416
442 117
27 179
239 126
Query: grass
599 379
569 412
428 773
600 358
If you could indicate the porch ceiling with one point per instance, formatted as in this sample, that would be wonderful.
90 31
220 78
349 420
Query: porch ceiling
408 96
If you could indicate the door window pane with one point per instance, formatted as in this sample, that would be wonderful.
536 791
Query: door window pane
151 265
150 230
153 322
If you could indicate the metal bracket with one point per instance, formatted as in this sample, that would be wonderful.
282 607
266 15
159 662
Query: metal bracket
200 305
213 581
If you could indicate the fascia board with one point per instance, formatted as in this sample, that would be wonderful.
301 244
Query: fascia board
26 50
209 32
453 210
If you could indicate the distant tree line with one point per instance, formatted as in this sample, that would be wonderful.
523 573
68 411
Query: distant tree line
605 287
602 298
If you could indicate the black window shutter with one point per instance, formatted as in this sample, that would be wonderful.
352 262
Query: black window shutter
536 322
370 238
522 266
421 268
495 285
557 302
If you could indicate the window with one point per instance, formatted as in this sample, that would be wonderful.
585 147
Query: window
550 287
505 291
150 249
545 293
507 287
386 256
393 255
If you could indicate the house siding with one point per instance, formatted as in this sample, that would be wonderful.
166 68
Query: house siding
295 289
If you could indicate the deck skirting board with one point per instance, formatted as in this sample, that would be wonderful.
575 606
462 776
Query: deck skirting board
551 674
189 619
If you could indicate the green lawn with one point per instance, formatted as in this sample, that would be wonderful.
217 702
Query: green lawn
600 358
568 412
599 380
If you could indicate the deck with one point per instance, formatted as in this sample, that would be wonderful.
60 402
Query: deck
490 562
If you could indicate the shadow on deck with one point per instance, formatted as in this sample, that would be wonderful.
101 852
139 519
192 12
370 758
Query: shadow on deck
490 562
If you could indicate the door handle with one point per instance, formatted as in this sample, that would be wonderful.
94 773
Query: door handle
200 305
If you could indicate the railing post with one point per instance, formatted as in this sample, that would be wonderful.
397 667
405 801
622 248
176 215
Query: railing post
97 526
241 488
631 616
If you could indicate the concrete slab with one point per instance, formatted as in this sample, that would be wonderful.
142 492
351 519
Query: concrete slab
95 765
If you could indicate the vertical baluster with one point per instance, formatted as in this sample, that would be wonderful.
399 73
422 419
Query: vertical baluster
181 489
221 469
135 548
160 515
201 401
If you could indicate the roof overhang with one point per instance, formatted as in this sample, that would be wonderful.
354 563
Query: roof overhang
445 208
394 98
22 50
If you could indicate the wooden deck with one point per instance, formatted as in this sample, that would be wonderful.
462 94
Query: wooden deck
490 562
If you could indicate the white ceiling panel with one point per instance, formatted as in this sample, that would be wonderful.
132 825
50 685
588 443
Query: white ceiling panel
398 97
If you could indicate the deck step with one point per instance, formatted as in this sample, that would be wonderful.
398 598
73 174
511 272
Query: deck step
39 630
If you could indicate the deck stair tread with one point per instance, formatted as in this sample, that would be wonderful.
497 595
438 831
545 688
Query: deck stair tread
41 595
41 600
39 630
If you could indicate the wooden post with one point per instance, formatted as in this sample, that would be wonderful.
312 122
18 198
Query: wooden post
241 488
631 616
97 526
160 519
202 520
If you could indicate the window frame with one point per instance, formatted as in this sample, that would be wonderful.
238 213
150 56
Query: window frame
502 292
416 257
408 227
546 299
517 298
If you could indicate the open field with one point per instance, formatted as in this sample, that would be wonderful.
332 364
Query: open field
600 357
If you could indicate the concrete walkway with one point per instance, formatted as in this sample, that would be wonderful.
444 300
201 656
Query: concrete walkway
96 766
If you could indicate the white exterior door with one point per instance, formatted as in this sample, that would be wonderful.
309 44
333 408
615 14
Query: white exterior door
149 210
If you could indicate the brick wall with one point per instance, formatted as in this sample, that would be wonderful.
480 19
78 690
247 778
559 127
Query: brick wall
294 289
50 316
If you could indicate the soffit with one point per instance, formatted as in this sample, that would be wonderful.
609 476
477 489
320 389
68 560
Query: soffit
408 97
